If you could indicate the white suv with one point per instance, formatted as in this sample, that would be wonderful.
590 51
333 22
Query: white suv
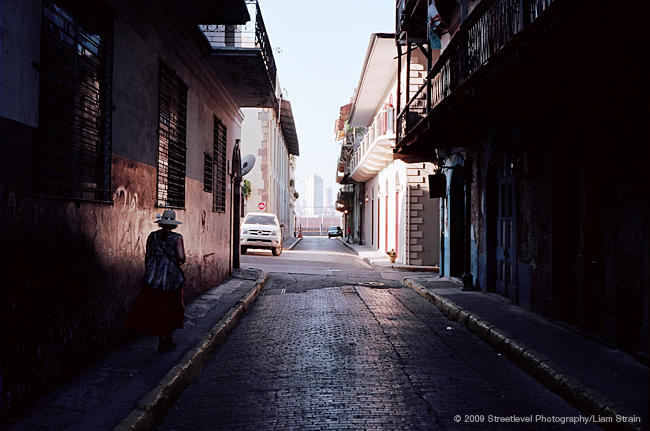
261 230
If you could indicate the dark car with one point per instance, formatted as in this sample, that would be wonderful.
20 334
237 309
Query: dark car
335 231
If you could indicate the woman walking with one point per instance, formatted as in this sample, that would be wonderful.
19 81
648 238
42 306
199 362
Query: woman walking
160 308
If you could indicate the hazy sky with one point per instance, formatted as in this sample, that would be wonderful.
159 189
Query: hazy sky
322 47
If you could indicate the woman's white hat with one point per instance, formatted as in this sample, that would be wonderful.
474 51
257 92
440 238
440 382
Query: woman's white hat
168 217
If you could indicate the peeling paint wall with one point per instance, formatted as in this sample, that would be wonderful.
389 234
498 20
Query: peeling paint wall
71 270
589 272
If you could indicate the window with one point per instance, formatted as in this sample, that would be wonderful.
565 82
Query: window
207 173
260 219
74 144
171 139
220 144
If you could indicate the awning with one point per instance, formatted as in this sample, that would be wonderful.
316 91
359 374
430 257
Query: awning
289 128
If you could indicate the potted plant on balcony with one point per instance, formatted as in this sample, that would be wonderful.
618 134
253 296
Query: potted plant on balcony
392 255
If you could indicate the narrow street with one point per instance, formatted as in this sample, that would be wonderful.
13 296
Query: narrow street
171 171
332 344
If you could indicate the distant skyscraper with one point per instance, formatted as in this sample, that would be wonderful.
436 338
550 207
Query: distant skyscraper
329 205
314 198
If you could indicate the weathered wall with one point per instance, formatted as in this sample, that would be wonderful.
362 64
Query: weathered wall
581 229
19 49
71 270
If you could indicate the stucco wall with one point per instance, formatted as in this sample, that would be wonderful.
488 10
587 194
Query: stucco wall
417 224
581 229
262 137
71 270
20 54
251 143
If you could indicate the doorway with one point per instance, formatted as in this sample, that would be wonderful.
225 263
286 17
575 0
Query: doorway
501 227
457 223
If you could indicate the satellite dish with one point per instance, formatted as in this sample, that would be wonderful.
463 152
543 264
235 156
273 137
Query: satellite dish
247 164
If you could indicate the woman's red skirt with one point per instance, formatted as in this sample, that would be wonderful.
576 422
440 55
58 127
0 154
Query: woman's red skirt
157 312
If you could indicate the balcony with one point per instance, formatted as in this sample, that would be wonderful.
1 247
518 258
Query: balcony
343 163
243 58
411 19
345 198
491 28
375 151
197 11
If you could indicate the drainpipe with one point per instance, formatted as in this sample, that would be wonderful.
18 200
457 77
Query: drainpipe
467 276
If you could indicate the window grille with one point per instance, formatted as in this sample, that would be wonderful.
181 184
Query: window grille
171 139
220 144
74 143
207 173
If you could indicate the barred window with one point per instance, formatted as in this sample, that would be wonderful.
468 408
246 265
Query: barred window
74 143
207 173
220 144
171 139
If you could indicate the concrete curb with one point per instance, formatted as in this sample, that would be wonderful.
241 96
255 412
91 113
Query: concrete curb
398 267
365 259
294 244
151 408
415 268
587 400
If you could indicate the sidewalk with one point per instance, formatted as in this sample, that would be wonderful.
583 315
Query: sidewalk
116 392
290 243
379 260
597 379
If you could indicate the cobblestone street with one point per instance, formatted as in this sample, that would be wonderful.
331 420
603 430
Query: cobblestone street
349 351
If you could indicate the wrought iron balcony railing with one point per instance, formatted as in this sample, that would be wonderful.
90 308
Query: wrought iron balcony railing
251 35
488 29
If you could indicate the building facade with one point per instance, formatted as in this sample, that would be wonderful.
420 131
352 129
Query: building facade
270 135
540 166
110 113
389 204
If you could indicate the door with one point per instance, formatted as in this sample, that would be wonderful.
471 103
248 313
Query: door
396 221
372 222
386 227
378 220
504 228
457 223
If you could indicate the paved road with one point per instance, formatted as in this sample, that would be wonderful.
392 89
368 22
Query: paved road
354 350
313 255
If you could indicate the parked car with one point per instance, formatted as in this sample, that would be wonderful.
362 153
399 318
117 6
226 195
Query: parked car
261 230
335 231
